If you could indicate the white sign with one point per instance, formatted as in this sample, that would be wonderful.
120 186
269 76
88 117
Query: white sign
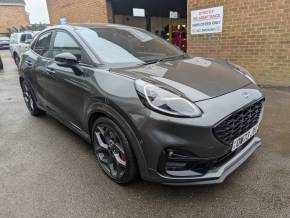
63 21
138 12
173 14
209 20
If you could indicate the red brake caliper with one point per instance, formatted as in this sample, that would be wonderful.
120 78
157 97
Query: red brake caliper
123 156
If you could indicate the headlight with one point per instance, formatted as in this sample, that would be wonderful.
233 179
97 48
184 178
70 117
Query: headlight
244 72
164 101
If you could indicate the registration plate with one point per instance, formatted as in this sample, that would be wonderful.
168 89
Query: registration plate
245 137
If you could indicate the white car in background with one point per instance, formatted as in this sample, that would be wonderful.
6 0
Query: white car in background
19 43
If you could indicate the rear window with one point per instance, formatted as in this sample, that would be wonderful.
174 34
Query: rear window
24 37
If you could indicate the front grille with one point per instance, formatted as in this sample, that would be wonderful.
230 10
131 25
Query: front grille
238 123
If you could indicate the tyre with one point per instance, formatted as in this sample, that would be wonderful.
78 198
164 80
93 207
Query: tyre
29 100
113 151
17 60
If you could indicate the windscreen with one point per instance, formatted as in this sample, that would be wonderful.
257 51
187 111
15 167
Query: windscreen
120 45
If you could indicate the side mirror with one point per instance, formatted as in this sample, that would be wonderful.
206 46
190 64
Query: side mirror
28 41
68 60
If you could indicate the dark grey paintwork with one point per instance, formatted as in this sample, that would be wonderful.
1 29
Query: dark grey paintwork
215 87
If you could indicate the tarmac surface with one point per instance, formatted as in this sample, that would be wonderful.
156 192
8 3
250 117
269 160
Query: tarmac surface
48 171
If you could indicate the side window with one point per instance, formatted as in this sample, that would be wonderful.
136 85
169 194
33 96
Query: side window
22 38
65 43
28 36
41 47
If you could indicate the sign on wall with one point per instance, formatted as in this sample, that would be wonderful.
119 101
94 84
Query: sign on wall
209 20
138 12
173 14
63 21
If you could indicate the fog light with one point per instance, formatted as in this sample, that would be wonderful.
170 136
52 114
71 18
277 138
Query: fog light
182 163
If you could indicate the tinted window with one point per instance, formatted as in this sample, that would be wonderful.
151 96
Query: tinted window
24 37
65 43
28 36
41 47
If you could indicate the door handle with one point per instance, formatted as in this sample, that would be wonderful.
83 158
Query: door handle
50 71
29 63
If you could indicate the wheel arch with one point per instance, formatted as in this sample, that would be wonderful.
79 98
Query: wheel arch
15 53
108 109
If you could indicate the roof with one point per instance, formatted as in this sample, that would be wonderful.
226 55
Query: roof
12 2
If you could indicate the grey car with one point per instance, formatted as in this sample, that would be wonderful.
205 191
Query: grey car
147 108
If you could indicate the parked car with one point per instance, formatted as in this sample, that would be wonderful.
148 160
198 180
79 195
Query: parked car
1 64
146 107
19 43
4 42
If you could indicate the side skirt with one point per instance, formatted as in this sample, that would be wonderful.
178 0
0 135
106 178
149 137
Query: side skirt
70 125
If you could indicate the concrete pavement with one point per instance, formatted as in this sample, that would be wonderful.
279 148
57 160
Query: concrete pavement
48 171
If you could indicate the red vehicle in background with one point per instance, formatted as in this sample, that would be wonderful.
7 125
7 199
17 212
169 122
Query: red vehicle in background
179 39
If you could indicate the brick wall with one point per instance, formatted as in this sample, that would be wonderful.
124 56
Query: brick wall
12 16
76 11
256 35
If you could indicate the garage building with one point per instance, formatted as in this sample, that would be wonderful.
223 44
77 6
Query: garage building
12 14
254 34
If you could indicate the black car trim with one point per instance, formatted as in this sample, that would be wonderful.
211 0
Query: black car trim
236 111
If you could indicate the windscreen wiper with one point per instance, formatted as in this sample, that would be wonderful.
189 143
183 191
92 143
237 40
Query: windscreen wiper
173 57
157 60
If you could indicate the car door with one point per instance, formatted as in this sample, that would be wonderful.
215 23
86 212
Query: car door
43 80
70 90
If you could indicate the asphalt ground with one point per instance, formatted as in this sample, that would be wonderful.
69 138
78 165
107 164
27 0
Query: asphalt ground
48 171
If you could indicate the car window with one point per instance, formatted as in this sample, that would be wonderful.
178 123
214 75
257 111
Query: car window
65 43
28 36
42 45
126 45
22 38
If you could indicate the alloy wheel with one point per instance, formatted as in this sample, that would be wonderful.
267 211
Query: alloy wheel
28 98
110 152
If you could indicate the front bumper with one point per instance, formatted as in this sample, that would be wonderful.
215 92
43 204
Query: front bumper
218 174
195 139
